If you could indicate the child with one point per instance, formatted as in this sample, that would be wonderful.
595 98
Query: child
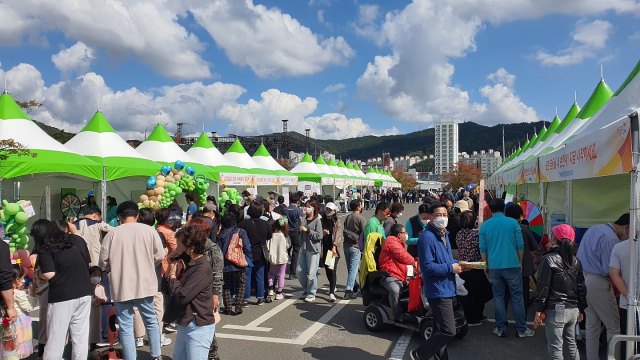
99 297
23 304
278 256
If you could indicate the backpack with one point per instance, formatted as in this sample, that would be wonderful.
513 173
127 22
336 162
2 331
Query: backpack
234 251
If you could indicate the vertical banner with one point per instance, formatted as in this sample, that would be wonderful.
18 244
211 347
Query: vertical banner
285 194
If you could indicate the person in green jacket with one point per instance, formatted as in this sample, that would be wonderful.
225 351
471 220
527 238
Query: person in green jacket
112 208
376 222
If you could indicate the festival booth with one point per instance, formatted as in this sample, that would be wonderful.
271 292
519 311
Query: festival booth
54 172
309 176
367 182
206 153
286 180
263 180
124 169
341 179
588 174
328 181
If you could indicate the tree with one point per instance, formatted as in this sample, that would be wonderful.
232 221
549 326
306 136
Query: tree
11 148
462 175
28 105
427 165
285 163
407 181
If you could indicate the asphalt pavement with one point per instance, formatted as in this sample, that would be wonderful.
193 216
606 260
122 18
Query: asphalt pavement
292 329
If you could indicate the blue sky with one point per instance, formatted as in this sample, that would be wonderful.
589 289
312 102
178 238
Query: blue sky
343 68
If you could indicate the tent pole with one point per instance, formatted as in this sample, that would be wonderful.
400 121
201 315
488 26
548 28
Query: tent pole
569 203
543 209
103 190
633 236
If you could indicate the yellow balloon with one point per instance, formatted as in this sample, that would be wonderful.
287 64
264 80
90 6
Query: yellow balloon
145 203
143 198
161 190
152 198
160 178
177 177
160 183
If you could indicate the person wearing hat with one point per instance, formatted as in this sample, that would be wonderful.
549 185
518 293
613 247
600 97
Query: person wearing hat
465 197
211 217
331 241
562 295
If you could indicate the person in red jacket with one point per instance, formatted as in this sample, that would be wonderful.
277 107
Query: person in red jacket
394 259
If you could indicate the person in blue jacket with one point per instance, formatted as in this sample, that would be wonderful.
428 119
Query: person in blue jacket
438 269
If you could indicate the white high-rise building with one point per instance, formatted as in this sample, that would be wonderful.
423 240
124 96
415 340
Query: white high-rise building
446 145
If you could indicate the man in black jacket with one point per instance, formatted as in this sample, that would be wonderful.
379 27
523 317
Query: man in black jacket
6 281
281 206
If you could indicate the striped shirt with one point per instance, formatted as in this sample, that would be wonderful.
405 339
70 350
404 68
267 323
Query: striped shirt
595 249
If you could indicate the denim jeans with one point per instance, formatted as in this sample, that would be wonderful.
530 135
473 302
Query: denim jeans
560 327
193 341
308 264
124 312
352 256
255 275
501 279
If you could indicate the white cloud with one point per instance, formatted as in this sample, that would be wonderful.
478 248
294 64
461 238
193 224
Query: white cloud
502 76
606 59
76 59
635 36
587 38
69 104
148 30
321 16
333 88
272 43
368 13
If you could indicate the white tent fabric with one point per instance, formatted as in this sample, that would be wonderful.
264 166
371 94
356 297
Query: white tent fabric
158 149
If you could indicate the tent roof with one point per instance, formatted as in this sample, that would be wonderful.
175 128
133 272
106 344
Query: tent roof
552 128
100 143
52 156
323 167
600 96
206 153
238 156
264 160
306 170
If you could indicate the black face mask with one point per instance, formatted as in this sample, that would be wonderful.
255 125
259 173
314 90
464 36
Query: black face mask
184 257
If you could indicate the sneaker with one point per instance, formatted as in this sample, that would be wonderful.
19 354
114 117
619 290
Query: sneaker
332 298
139 342
500 333
304 296
279 296
484 318
292 277
310 298
526 333
475 323
165 341
414 355
260 302
350 295
103 344
171 328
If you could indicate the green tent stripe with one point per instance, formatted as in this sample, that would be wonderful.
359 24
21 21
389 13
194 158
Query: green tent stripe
320 161
237 147
341 164
159 134
121 167
600 96
626 82
50 161
262 151
349 166
573 112
554 125
9 109
332 162
98 124
307 159
203 142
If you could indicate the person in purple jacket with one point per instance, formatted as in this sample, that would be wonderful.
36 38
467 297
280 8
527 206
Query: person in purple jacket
438 269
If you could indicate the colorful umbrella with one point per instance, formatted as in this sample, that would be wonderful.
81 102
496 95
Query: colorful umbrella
532 214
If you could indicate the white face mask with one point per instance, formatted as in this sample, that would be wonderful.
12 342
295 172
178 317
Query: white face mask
425 222
329 214
441 222
399 215
96 280
309 211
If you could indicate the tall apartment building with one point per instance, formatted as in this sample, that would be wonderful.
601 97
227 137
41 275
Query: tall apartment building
487 161
446 145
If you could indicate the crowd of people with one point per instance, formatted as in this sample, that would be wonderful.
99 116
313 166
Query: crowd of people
163 276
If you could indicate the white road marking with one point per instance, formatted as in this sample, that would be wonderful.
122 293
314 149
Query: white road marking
300 340
401 345
254 325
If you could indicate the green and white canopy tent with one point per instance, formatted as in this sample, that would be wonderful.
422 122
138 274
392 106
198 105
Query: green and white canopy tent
374 175
309 176
52 156
357 180
203 151
329 179
161 148
349 179
264 160
99 142
363 176
341 179
238 155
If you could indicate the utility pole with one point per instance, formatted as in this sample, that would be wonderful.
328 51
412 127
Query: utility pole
504 153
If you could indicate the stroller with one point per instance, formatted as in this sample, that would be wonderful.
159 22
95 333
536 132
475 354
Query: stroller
378 313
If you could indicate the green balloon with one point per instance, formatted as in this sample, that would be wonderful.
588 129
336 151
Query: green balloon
21 218
178 191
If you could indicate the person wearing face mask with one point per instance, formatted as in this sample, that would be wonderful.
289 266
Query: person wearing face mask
191 303
394 259
396 212
438 269
311 234
595 255
331 241
416 225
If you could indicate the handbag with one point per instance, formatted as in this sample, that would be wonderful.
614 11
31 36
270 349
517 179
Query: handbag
234 252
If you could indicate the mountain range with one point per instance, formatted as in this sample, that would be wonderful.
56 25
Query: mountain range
472 137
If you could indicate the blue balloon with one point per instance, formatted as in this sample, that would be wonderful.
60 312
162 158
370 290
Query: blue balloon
179 165
165 170
151 183
190 171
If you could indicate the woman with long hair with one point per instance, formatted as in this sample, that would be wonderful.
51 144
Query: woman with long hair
310 227
66 268
232 273
562 295
331 241
259 232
